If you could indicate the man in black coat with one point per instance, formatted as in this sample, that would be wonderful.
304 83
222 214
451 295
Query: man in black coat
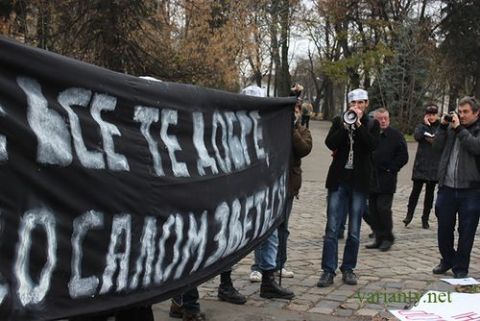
389 157
425 167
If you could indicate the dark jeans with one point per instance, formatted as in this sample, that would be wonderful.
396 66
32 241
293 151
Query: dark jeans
337 200
428 201
188 300
283 234
465 203
365 216
380 216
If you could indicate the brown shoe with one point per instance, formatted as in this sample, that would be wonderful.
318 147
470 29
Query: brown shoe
176 311
199 316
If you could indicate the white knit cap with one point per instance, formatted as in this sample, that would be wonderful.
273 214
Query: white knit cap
357 94
253 90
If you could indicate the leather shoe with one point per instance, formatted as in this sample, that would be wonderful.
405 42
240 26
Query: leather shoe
176 311
385 246
374 245
349 278
460 275
198 316
441 268
325 280
407 219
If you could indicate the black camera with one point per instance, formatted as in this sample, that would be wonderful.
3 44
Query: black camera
449 116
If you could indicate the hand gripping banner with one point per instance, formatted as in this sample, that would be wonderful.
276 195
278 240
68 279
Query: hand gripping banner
117 191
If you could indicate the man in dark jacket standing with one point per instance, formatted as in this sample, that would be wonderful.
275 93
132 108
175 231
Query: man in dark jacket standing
389 157
458 137
425 167
348 185
301 147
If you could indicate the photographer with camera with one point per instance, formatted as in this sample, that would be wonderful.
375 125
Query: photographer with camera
352 140
425 167
458 138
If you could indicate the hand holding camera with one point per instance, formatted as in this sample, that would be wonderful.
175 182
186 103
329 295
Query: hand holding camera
451 117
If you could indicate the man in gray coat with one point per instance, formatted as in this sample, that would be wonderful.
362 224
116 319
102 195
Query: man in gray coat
459 186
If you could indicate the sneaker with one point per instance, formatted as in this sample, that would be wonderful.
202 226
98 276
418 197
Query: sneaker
349 278
255 276
286 273
325 280
229 294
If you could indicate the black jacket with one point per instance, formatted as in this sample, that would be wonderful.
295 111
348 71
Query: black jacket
427 158
389 157
365 140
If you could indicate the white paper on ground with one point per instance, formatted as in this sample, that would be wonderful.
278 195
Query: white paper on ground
466 281
443 306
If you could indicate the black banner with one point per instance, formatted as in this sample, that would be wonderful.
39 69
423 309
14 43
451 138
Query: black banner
116 190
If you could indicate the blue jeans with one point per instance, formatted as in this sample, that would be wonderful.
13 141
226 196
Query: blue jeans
465 202
266 254
283 234
341 201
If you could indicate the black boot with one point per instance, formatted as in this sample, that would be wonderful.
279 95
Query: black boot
227 292
270 289
408 218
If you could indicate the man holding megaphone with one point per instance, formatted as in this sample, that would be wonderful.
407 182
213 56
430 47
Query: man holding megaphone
352 138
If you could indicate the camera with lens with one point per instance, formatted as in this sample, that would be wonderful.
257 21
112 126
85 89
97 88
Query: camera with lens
350 117
449 116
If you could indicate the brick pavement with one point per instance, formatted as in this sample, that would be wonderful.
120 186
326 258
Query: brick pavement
406 267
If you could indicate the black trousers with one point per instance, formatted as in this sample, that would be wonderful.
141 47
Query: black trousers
414 195
188 300
138 313
305 121
380 216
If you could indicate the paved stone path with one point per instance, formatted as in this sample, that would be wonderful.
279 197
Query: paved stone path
405 268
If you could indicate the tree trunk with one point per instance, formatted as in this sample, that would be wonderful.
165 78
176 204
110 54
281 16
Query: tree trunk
284 79
328 107
43 25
